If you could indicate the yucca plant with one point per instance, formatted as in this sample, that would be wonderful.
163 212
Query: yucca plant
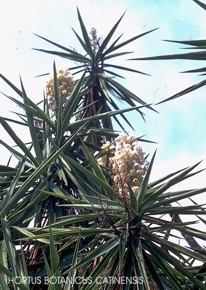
78 211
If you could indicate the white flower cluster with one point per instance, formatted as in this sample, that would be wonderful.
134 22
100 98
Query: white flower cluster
95 40
127 163
66 85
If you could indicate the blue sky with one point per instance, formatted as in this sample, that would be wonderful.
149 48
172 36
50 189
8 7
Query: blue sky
180 126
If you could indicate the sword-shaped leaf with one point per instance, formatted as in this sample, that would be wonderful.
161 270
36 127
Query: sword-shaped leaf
87 46
18 141
113 48
32 128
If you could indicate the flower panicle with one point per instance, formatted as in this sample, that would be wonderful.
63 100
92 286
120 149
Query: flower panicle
127 163
65 85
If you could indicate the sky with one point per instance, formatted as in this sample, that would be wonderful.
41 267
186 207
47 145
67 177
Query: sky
178 127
